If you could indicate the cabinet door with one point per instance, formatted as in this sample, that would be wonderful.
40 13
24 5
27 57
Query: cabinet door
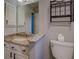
18 55
10 14
7 53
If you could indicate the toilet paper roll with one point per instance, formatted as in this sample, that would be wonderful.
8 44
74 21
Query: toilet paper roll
60 37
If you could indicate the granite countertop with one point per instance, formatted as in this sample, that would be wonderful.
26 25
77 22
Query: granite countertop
22 38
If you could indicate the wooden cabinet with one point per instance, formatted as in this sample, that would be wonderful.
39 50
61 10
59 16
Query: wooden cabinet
12 51
61 11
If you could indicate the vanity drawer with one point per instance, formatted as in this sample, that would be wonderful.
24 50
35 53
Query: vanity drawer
19 48
13 46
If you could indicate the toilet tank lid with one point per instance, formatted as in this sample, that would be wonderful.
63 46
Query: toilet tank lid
70 44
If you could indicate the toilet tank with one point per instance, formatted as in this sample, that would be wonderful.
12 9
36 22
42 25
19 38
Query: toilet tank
62 50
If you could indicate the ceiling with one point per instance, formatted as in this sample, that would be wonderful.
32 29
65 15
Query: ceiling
24 2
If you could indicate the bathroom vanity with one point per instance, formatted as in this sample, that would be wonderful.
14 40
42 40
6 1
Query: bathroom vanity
13 51
21 46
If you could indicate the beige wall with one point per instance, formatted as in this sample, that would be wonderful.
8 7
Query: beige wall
50 29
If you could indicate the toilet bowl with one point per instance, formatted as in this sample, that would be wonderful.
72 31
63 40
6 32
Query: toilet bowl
62 50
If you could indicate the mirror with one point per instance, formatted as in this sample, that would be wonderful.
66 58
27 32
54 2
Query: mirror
27 16
21 16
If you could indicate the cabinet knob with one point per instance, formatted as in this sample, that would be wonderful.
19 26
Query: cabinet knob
11 54
12 47
23 50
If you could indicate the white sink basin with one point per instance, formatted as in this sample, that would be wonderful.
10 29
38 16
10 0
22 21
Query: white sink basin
18 38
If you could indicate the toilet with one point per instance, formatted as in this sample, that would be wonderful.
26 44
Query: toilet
62 50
